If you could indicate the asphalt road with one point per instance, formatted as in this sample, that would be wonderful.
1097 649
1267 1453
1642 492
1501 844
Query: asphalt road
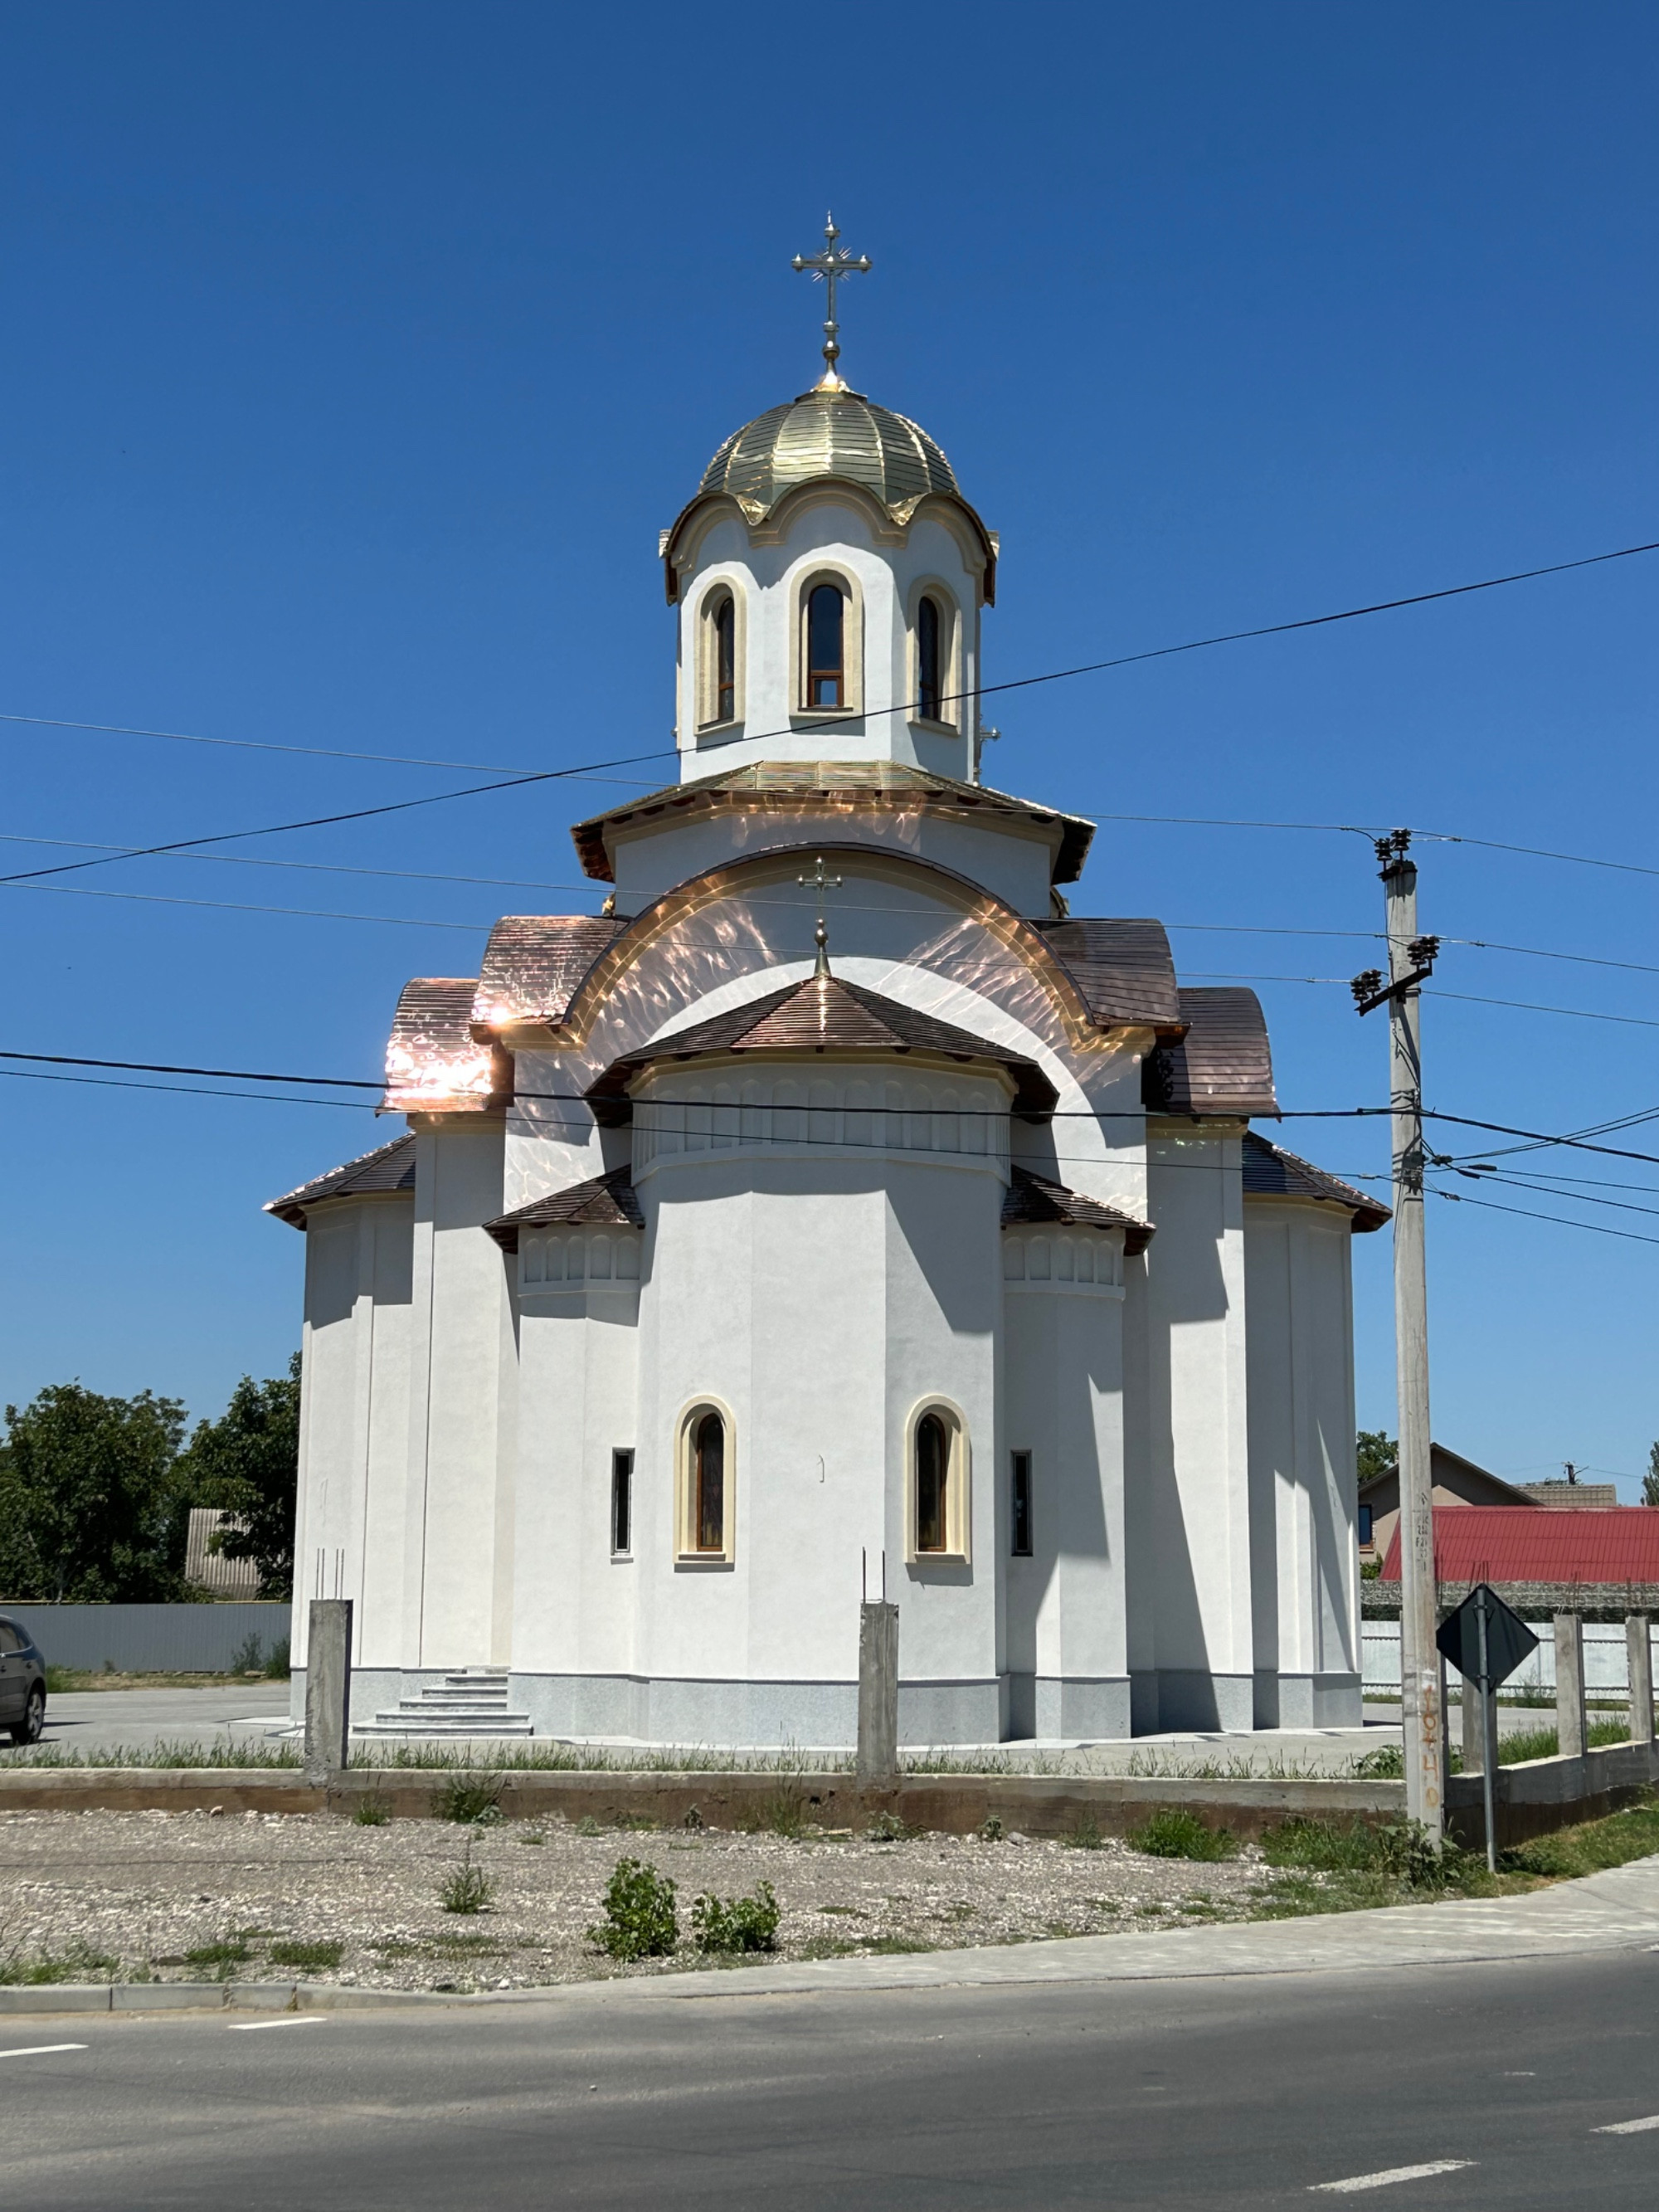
1198 2093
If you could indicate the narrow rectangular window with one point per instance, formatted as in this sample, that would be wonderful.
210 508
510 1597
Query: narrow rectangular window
1364 1524
825 633
726 661
621 1504
1019 1505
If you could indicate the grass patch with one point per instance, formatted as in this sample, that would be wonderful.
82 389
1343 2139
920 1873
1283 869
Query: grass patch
79 1963
1084 1834
1544 1743
371 1810
782 1813
1592 1847
287 1953
1173 1832
167 1755
232 1952
1322 1846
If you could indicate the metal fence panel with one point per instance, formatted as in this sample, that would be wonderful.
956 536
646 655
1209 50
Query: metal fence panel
152 1639
1607 1663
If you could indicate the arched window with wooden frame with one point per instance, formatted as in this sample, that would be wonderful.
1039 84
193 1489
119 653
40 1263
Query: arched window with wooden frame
827 655
705 1489
719 660
826 648
938 1458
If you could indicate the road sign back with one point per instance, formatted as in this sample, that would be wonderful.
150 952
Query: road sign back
1509 1640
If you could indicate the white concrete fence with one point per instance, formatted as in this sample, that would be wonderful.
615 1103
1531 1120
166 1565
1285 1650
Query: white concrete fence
1606 1668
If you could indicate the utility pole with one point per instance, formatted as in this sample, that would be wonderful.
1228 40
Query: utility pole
1410 958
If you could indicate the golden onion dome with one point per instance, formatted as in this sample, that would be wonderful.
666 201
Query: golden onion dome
829 433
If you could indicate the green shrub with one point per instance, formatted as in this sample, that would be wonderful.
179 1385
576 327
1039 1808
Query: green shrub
1406 1851
1173 1832
990 1830
1386 1763
469 1889
741 1924
887 1828
288 1954
640 1921
474 1799
277 1665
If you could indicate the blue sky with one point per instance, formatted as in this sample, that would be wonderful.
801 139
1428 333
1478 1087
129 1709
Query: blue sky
354 357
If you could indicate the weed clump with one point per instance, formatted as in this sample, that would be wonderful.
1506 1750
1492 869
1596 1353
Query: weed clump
371 1810
888 1828
736 1924
1173 1832
640 1920
1590 1847
1084 1835
473 1800
469 1889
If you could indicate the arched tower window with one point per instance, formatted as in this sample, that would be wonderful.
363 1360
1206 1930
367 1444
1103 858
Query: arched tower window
826 667
725 660
932 1484
930 662
708 1470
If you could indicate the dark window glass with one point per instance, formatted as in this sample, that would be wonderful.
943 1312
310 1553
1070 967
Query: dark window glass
708 1474
929 682
825 674
1364 1524
932 1475
622 1500
1019 1502
726 661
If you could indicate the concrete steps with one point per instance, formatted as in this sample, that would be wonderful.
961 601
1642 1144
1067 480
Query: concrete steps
470 1704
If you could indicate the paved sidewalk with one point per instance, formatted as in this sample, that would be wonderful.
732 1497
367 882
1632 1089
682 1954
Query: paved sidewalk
1614 1912
138 1720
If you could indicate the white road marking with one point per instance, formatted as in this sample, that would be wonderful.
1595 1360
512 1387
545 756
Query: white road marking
1628 2127
1392 2174
39 2050
293 2020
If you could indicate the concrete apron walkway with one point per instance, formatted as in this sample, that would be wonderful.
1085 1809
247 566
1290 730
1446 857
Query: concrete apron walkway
1617 1911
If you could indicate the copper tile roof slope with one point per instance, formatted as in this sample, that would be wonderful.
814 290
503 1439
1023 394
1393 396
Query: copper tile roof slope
605 1201
433 1064
1222 1066
534 962
1270 1172
871 783
810 1016
1123 968
391 1168
1032 1197
1518 1544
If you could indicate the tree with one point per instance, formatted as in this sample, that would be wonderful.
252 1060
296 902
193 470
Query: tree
1376 1453
247 1464
1650 1480
91 1505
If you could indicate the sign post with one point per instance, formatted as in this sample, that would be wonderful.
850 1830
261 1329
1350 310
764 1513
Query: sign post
1486 1641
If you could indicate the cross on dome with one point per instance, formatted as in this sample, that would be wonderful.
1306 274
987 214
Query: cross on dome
820 883
829 268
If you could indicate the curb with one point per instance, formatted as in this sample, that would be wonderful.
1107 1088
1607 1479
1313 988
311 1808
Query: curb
212 1997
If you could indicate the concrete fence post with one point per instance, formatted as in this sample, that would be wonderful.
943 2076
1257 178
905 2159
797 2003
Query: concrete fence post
877 1760
1570 1728
328 1687
1639 1644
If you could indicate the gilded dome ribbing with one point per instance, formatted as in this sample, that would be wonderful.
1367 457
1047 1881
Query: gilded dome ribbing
829 434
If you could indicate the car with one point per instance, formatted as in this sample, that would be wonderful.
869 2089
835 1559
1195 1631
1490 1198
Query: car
22 1683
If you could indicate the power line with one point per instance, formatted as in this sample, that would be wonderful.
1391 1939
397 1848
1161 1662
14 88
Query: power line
323 821
1561 1220
1528 1006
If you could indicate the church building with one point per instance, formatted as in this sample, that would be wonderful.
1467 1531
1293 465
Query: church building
837 1209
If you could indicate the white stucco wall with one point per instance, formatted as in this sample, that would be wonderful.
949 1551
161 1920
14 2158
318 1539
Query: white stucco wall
1304 1551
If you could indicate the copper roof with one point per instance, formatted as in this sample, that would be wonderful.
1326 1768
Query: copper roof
1270 1172
534 962
812 1016
603 1201
433 1064
390 1168
1124 969
1034 1197
766 784
1224 1064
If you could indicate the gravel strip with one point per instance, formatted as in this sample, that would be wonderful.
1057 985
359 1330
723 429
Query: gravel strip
129 1895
